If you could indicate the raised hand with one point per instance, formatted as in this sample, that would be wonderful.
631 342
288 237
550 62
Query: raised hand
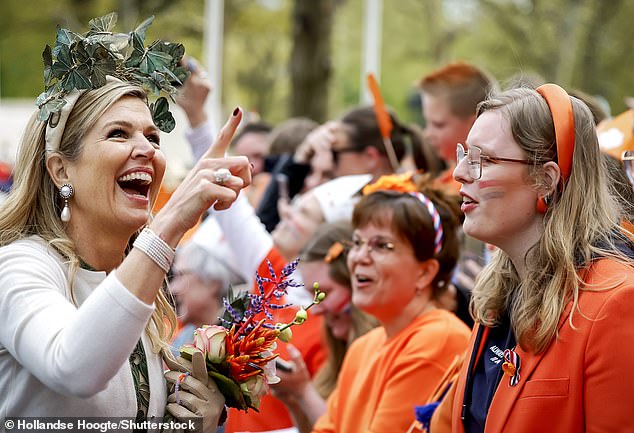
214 180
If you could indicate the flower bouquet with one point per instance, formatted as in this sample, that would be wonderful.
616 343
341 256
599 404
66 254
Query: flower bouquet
240 355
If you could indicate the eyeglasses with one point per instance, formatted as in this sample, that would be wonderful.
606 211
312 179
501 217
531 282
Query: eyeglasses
376 246
475 157
337 152
628 162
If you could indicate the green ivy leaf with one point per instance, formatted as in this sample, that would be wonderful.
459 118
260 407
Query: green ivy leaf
138 51
176 51
52 106
103 24
239 302
161 115
77 78
142 28
103 65
63 63
47 58
64 37
81 53
154 61
182 73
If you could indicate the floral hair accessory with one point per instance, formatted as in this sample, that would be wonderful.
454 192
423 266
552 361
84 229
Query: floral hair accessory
80 62
393 182
404 183
240 354
333 252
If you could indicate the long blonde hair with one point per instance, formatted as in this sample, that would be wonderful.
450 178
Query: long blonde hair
33 206
581 224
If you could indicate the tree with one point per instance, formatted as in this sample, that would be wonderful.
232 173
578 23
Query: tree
310 63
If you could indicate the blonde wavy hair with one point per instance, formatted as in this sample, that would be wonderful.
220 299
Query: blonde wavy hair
33 206
582 224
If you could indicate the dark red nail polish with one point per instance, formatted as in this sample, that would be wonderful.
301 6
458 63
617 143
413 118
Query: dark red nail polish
236 111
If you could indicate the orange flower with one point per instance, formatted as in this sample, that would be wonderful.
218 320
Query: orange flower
393 182
244 351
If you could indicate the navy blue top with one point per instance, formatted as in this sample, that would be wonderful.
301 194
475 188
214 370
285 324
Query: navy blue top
487 375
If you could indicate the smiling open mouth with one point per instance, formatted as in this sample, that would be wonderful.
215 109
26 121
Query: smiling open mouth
136 183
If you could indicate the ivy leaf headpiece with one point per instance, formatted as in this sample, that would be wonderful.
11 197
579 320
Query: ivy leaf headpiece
82 62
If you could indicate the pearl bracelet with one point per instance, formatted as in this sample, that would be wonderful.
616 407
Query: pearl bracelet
155 248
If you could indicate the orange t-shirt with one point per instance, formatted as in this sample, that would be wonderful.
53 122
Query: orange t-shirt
307 338
382 379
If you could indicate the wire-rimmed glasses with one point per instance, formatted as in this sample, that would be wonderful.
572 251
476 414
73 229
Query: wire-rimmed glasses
475 157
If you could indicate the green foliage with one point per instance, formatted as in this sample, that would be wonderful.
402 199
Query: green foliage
80 62
583 44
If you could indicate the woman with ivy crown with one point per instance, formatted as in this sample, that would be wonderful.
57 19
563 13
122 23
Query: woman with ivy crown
83 317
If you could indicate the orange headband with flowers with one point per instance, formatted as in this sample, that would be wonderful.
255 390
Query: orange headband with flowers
403 183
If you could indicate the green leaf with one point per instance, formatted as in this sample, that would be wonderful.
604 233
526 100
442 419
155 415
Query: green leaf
138 51
63 64
161 115
81 55
41 98
116 42
177 51
239 303
103 65
230 390
103 24
154 61
142 28
182 73
186 352
47 58
77 78
52 106
64 37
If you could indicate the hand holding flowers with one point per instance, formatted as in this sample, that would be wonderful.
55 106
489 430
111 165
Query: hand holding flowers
239 356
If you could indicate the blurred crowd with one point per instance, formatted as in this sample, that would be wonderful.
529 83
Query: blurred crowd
468 263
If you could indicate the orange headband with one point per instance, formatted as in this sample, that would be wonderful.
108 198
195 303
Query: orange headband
561 109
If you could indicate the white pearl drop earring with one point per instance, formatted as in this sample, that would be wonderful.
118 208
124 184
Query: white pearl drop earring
66 192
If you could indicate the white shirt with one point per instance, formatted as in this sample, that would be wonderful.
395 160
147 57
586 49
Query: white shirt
57 359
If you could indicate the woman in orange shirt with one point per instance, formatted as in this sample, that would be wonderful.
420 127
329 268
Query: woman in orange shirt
403 252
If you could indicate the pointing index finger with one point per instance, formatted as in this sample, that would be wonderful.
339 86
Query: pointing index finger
220 146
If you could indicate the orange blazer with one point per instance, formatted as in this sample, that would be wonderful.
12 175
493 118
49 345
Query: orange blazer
584 381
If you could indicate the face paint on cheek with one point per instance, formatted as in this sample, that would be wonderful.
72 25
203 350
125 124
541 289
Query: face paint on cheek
488 194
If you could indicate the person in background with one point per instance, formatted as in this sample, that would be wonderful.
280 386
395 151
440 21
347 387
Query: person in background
323 260
287 176
241 228
199 282
252 141
553 308
450 96
351 145
403 252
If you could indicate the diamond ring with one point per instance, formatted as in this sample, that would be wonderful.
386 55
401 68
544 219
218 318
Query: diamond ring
221 176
